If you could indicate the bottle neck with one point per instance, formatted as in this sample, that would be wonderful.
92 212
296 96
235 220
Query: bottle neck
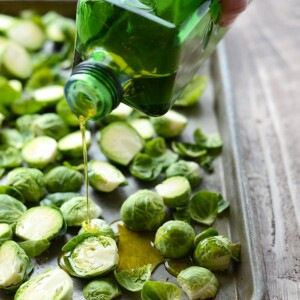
92 90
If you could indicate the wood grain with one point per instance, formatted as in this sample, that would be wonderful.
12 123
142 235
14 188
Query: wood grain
264 58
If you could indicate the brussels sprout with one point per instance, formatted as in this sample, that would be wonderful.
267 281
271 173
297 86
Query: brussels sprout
121 113
134 279
51 125
41 77
10 209
97 226
6 233
34 247
62 179
29 181
120 142
10 158
40 151
26 106
143 211
8 93
169 125
144 128
182 214
193 91
71 144
214 253
156 290
53 284
175 239
104 177
198 283
48 95
75 211
175 191
145 167
58 199
204 207
11 138
101 289
188 169
41 222
15 266
90 255
65 112
23 124
205 234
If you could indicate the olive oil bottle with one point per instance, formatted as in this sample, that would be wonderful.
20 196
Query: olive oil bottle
140 52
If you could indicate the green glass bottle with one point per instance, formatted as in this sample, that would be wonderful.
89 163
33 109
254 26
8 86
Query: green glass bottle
140 52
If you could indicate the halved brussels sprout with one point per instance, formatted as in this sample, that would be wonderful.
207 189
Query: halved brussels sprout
143 211
29 181
58 199
175 239
198 283
215 252
62 179
15 266
40 151
144 128
156 290
41 222
53 284
75 211
104 177
89 255
121 113
6 233
101 289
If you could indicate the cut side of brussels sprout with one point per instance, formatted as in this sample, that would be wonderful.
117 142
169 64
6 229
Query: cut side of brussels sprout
40 151
144 128
75 211
120 142
175 191
104 176
6 233
71 144
15 266
121 113
169 125
41 222
27 34
198 283
91 256
102 289
49 95
54 284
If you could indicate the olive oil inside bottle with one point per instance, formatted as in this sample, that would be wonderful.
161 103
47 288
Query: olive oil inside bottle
82 121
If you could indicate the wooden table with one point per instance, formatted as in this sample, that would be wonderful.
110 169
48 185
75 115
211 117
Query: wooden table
263 50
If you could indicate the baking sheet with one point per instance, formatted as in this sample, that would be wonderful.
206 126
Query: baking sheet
214 113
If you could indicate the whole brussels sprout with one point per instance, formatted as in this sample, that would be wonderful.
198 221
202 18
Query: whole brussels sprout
62 179
143 211
15 266
198 283
75 211
53 284
215 252
103 288
29 181
156 290
175 239
50 124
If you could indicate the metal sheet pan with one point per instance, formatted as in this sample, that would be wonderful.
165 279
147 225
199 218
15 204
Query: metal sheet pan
215 112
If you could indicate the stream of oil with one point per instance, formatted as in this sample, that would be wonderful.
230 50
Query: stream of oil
82 122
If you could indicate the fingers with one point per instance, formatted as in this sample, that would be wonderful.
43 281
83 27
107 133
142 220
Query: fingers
230 10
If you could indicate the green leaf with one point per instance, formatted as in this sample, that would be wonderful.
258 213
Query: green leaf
204 207
206 163
11 191
155 147
34 247
145 167
212 142
222 204
133 280
182 215
188 150
205 234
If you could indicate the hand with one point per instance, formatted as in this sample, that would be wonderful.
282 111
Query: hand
230 10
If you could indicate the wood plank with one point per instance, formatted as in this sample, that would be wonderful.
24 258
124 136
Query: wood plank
264 57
